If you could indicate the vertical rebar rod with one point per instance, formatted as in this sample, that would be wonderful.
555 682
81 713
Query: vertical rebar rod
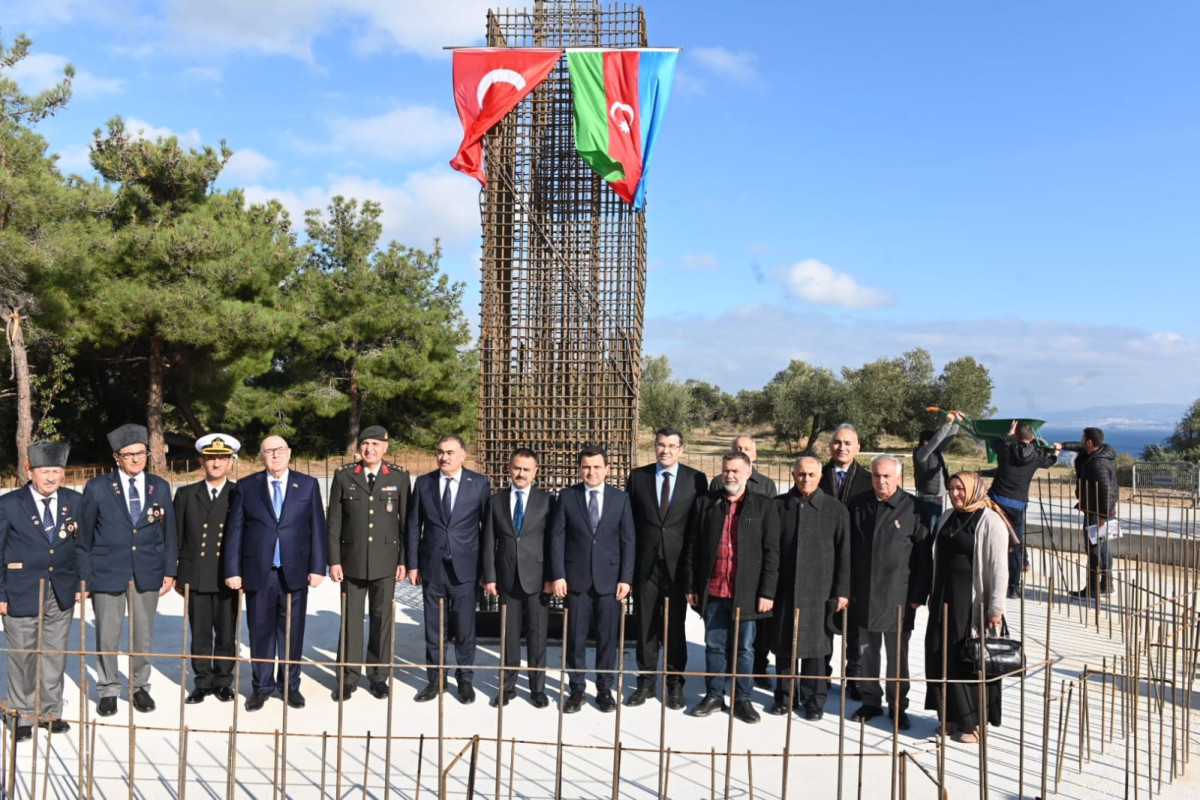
83 684
183 649
616 767
366 766
287 683
787 737
501 696
37 692
231 780
391 681
662 696
441 687
129 590
341 692
841 745
731 668
562 699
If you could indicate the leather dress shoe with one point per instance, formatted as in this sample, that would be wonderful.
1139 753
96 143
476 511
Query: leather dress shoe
605 701
55 725
504 698
866 713
639 695
256 701
225 694
708 705
466 693
904 722
295 699
142 701
345 692
574 703
539 699
744 710
196 696
778 709
428 693
675 698
24 733
107 706
379 689
813 714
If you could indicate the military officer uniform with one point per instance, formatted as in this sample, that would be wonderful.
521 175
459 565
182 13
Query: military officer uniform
37 543
365 518
200 512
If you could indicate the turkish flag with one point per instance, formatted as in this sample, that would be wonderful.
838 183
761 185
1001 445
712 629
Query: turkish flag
488 83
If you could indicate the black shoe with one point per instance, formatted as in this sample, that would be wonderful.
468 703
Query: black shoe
639 695
866 713
744 710
428 693
605 701
763 682
142 701
196 696
504 698
675 698
1081 593
813 714
539 699
708 705
779 708
24 733
107 706
379 689
55 725
256 701
904 723
574 703
344 693
466 693
1013 593
225 694
295 699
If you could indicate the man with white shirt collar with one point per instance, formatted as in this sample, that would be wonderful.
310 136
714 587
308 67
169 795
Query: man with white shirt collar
127 534
37 542
201 509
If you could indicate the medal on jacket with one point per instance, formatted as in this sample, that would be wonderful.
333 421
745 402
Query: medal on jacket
389 507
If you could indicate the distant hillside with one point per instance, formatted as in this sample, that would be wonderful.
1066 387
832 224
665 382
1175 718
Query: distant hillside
1138 415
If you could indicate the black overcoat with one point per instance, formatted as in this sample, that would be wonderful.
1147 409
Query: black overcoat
757 550
814 536
889 561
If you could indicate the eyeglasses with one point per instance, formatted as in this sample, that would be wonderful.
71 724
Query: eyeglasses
662 446
274 451
133 456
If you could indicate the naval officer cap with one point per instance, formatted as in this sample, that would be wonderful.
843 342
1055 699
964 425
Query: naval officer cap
126 435
376 432
48 454
218 444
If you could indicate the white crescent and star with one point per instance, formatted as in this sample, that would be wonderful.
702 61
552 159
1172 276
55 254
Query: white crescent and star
499 76
624 109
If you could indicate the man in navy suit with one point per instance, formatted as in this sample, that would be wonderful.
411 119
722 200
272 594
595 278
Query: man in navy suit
37 543
445 516
127 533
591 562
514 569
274 550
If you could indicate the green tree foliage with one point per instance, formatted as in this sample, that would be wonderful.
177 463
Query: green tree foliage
665 403
710 403
804 401
187 285
1184 443
966 386
382 337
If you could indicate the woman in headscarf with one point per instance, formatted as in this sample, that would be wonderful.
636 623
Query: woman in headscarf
970 568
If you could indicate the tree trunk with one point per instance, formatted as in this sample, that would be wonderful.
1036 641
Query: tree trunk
355 411
185 407
813 433
16 343
154 407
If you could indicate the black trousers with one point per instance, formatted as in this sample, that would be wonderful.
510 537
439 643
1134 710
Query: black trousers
212 618
811 690
607 611
648 609
534 611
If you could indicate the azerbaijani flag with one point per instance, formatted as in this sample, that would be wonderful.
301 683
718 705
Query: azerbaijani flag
620 100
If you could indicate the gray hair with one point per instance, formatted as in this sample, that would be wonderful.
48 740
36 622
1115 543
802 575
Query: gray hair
845 426
885 457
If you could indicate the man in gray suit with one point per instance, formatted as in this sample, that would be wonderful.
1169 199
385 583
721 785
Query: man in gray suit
37 543
514 567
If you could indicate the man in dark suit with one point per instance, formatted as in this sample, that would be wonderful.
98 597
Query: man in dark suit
661 495
368 504
37 543
201 509
591 562
515 570
127 533
275 550
444 521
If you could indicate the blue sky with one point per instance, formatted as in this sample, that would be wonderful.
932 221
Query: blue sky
835 182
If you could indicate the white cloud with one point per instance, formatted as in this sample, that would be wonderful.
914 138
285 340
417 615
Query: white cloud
410 132
39 71
694 261
141 129
820 284
248 165
202 75
738 65
75 160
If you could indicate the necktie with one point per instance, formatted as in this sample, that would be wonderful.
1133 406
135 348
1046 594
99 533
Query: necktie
277 504
135 501
664 500
370 481
519 514
48 520
214 493
447 501
594 508
841 476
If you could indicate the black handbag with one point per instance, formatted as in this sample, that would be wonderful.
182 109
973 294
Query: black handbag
1004 655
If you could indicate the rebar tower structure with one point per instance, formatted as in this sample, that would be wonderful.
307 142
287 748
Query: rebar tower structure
564 267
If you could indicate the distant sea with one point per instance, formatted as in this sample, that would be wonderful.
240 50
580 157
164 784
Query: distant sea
1123 440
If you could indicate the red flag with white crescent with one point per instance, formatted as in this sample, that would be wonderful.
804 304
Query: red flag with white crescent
488 83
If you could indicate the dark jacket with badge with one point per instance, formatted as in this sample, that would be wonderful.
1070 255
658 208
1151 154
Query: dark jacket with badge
890 561
367 526
113 550
815 568
757 549
27 556
201 521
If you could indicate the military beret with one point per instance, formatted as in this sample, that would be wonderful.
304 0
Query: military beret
218 444
48 454
376 432
127 435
